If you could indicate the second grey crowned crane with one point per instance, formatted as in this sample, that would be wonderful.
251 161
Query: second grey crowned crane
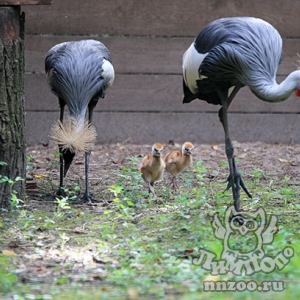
228 54
79 72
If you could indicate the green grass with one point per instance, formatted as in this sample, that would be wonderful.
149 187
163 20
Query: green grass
143 247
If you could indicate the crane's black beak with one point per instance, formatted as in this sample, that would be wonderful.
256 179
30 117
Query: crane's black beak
68 157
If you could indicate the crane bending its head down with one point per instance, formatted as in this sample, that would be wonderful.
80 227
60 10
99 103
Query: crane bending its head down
78 74
226 55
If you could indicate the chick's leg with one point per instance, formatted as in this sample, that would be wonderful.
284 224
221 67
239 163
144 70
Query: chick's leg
151 188
174 182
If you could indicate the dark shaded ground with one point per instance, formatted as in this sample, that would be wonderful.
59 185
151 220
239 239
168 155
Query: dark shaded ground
277 163
275 160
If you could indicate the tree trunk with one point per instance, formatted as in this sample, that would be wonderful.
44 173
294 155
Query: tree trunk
12 116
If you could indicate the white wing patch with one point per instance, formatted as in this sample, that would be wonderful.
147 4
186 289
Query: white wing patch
191 62
108 72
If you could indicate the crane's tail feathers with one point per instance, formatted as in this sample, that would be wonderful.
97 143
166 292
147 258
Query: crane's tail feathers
74 136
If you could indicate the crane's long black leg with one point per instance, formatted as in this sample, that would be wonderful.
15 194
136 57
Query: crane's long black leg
60 191
229 100
87 196
234 180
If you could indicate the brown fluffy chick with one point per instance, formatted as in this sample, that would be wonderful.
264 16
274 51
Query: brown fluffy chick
152 166
178 160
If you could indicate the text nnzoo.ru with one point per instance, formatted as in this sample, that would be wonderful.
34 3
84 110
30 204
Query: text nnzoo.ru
240 286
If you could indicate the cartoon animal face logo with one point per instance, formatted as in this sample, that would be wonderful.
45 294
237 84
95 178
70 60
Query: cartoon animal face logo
243 224
244 234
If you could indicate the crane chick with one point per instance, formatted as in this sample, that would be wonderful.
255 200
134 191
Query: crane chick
152 166
178 160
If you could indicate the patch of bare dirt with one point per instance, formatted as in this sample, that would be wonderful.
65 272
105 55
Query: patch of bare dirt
274 160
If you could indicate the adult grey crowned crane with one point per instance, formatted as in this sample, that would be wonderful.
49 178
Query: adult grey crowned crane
228 54
78 73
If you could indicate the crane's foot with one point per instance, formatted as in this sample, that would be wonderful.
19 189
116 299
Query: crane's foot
241 184
61 192
236 183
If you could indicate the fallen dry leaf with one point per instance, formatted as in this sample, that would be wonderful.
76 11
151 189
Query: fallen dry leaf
40 268
40 175
9 253
188 251
284 160
132 293
78 230
13 245
117 162
78 213
212 278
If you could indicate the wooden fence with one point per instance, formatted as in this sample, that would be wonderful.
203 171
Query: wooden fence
147 40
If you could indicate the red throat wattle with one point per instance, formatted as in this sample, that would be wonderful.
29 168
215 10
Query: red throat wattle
297 92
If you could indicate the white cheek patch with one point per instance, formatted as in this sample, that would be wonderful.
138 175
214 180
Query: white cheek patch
108 71
230 91
190 63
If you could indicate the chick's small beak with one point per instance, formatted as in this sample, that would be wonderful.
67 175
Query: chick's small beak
188 151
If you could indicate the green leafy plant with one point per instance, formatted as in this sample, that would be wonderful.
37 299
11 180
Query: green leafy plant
8 279
31 164
15 202
259 174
